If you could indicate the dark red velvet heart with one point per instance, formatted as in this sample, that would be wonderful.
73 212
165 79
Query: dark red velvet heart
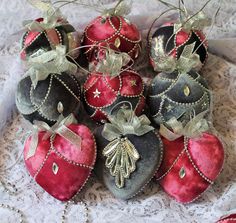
228 219
102 93
59 167
187 171
113 31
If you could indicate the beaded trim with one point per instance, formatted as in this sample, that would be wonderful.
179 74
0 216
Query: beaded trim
225 220
32 41
176 80
117 33
118 92
158 166
13 209
68 161
37 108
177 47
185 150
204 97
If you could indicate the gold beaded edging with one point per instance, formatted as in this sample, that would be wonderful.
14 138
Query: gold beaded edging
116 33
118 92
158 166
185 150
37 108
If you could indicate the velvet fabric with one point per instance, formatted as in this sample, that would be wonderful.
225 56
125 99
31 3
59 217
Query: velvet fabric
74 164
47 40
128 86
149 147
167 97
41 103
228 219
177 42
186 174
107 31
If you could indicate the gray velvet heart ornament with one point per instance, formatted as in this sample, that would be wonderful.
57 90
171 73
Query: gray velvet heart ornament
148 148
178 95
41 103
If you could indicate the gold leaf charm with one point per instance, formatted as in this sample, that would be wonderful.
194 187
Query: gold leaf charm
121 159
117 42
186 90
55 168
182 173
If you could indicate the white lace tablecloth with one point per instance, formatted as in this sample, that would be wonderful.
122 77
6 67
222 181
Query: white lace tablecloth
152 205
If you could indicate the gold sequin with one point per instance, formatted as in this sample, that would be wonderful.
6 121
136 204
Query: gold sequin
186 90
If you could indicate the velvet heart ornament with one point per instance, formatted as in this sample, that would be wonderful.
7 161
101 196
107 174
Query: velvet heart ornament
190 166
60 167
47 39
114 31
147 159
102 93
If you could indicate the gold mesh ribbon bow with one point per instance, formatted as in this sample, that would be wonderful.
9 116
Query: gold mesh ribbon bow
59 128
163 62
51 16
194 128
42 64
112 64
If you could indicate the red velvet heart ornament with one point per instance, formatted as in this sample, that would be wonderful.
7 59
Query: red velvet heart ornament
174 43
228 219
59 167
188 170
102 93
113 31
48 39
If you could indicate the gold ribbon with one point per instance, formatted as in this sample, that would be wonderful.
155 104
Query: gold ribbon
59 128
197 22
193 129
112 63
163 62
51 16
126 122
121 9
42 64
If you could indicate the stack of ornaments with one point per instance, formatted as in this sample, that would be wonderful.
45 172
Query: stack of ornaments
60 154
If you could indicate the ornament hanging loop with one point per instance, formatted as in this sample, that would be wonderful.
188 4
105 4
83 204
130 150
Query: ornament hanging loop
121 9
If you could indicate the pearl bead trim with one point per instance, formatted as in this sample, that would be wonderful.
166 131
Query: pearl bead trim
158 166
37 108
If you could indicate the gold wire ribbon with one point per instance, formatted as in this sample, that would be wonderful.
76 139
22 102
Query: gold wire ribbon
59 128
51 16
197 22
126 122
112 64
121 9
42 64
163 62
193 129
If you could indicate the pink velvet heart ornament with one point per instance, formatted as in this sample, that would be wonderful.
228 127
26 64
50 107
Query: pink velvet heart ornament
60 167
190 166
